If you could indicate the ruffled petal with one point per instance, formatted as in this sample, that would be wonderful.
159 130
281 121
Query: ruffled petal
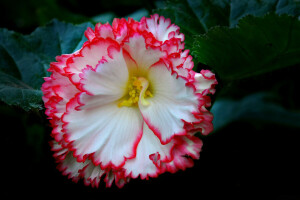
104 31
98 125
124 29
120 28
90 173
162 28
88 56
185 150
107 83
143 57
173 102
108 132
58 90
117 176
205 82
57 87
181 64
142 165
67 164
101 31
89 34
203 120
127 104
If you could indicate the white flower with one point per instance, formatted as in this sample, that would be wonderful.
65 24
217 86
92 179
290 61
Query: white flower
128 103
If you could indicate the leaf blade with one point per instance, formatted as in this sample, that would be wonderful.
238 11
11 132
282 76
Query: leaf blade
256 46
24 60
256 107
15 92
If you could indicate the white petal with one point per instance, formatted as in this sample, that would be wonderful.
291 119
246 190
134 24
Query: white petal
144 57
92 174
57 90
104 30
172 103
107 83
205 85
89 55
109 132
186 149
68 165
75 170
142 164
161 28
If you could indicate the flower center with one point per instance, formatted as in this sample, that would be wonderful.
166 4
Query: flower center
137 90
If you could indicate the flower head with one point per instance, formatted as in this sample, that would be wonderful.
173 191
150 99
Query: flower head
127 104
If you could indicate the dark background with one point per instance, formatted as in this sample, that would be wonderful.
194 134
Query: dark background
240 161
244 160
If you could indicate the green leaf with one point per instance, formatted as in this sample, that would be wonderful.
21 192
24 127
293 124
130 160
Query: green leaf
137 15
255 46
25 15
17 93
257 107
239 8
196 17
24 60
50 9
109 16
104 18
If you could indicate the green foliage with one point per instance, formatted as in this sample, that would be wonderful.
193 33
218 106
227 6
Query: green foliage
196 17
109 16
240 9
17 93
254 46
256 108
241 41
25 16
104 17
181 13
25 60
137 15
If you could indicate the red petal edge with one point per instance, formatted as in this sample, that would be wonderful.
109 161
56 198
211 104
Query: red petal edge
186 146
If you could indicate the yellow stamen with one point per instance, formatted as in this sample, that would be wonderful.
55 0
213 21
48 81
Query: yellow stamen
137 90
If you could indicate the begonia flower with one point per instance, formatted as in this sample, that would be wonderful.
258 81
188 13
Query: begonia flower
127 104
